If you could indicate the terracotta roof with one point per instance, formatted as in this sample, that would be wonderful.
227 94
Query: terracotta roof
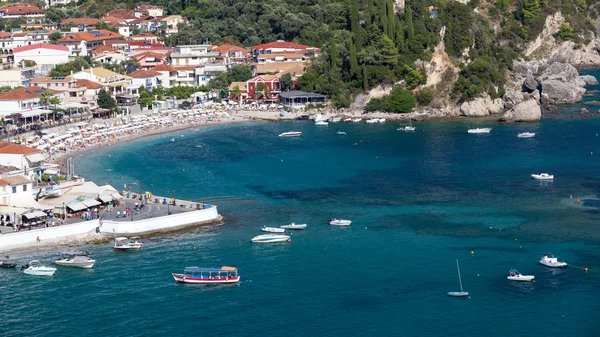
17 180
222 49
282 44
265 78
13 148
144 73
284 55
20 94
277 67
80 21
164 67
150 54
41 46
184 68
20 9
46 79
144 35
101 49
89 84
92 35
4 182
4 35
241 85
120 13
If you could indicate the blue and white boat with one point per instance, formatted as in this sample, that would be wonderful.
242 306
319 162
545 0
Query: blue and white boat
460 293
270 238
198 275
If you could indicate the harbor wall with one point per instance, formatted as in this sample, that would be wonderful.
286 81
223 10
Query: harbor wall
160 224
28 238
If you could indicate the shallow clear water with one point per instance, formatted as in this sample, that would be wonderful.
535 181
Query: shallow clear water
418 201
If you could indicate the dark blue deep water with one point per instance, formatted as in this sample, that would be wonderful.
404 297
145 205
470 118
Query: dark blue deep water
418 201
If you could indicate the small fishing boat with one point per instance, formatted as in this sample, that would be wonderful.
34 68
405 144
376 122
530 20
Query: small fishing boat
35 268
196 275
408 127
347 120
7 265
271 238
294 226
123 243
272 229
356 120
549 260
75 259
381 120
341 133
542 176
479 130
335 119
372 121
135 243
460 293
321 123
526 135
514 275
339 222
291 134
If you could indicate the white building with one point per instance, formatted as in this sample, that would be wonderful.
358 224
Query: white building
25 101
145 78
192 55
46 56
59 2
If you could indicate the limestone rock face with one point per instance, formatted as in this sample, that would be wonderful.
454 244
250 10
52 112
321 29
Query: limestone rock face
560 83
559 71
512 97
522 68
589 79
481 107
530 84
526 111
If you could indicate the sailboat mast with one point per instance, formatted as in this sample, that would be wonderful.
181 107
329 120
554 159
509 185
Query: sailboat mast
459 279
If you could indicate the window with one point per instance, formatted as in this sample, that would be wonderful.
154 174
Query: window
14 189
24 188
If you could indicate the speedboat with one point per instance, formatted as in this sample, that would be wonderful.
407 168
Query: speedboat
356 120
291 134
339 222
526 135
197 275
335 119
341 133
321 123
75 259
543 176
272 229
406 128
135 243
270 238
293 226
549 260
479 130
372 121
347 120
514 275
35 268
123 243
4 264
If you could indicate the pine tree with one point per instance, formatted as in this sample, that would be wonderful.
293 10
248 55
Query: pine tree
333 56
353 60
449 40
399 36
409 22
531 10
365 78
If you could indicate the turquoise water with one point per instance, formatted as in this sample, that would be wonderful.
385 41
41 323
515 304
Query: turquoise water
418 201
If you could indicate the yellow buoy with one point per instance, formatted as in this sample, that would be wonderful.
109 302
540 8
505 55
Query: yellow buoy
472 252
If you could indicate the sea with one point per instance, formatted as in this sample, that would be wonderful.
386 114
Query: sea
418 202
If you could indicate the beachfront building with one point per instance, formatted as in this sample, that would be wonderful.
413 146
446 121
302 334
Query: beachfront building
24 101
75 93
238 92
282 47
144 78
264 88
112 58
150 59
45 55
230 54
20 10
114 82
280 57
207 71
21 157
192 55
297 99
16 75
81 44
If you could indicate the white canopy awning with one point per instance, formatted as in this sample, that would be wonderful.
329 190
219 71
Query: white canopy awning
92 203
36 214
77 206
36 157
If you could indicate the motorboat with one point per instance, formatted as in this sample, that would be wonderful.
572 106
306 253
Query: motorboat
123 243
293 226
479 130
347 120
357 120
75 259
514 275
7 265
406 128
272 229
320 118
381 120
321 123
339 222
335 119
196 275
549 260
542 176
526 135
341 133
271 238
372 121
291 134
35 268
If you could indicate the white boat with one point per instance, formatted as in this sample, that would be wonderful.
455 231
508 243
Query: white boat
479 130
460 293
197 275
291 134
543 176
320 118
270 238
341 133
339 222
135 243
372 121
75 259
381 120
272 229
356 120
514 275
321 123
35 268
123 243
549 260
347 120
335 119
294 226
408 127
526 135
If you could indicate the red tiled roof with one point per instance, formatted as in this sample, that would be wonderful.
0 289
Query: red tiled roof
46 79
184 68
97 35
120 13
222 49
150 54
13 148
145 35
20 94
4 35
41 46
80 21
103 49
144 73
163 67
4 182
281 44
20 9
89 84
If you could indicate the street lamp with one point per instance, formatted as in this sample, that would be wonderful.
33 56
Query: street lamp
64 212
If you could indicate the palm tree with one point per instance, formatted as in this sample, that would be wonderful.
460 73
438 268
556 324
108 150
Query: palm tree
45 96
237 93
54 101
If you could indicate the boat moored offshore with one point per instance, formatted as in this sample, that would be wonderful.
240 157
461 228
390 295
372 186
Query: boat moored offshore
271 238
293 226
542 176
514 275
75 259
339 222
272 229
479 130
549 260
35 268
291 134
526 135
123 243
196 275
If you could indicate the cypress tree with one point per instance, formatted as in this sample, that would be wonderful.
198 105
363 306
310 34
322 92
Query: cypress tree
383 16
399 36
391 16
355 27
333 56
353 60
365 79
409 22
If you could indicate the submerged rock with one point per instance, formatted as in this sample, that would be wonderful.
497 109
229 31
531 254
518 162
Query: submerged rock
527 111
